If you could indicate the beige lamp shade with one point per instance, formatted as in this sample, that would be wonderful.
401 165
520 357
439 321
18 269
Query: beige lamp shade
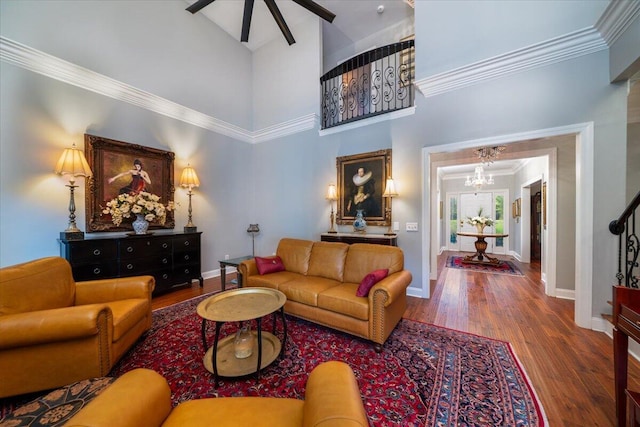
189 178
72 162
332 192
390 189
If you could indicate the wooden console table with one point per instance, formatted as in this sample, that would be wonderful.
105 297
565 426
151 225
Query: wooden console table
481 247
626 324
378 239
172 259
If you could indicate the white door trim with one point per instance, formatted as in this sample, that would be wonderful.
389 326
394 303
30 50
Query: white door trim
584 210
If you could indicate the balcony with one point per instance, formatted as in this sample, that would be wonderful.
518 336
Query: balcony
376 82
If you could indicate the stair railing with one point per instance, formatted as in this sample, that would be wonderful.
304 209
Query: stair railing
375 82
628 272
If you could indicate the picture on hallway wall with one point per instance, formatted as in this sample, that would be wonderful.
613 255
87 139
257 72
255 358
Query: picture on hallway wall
124 168
361 181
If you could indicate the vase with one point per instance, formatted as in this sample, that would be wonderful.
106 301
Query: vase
140 225
243 343
480 228
359 224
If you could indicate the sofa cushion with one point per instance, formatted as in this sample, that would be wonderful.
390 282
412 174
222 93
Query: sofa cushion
295 254
126 314
269 265
370 280
237 411
305 290
342 299
273 280
327 260
363 258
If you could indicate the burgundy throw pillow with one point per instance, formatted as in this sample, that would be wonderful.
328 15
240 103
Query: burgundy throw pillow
269 265
369 280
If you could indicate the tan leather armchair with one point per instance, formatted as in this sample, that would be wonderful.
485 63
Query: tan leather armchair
142 398
54 331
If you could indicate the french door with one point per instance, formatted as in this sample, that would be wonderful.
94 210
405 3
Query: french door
461 206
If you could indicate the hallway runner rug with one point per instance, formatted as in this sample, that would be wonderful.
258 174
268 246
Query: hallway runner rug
506 267
425 375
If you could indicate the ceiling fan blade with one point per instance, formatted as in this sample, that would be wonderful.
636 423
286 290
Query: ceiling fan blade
195 7
273 8
314 7
246 20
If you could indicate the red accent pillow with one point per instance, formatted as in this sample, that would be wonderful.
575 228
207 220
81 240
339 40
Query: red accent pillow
369 280
269 265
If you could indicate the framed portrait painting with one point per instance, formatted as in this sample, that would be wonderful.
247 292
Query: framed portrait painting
361 181
120 167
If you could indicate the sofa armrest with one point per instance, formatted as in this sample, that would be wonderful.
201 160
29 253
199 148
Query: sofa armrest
392 286
55 325
107 290
139 398
332 397
248 268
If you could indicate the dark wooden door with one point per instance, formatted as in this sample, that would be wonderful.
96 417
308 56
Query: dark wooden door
536 225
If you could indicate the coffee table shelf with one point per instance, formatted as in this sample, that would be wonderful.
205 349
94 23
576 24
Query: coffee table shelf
230 366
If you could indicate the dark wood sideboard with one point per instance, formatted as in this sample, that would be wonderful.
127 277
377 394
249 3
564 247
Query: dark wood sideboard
626 324
172 259
378 239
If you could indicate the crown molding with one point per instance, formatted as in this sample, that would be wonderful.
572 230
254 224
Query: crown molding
369 121
300 124
616 18
18 54
569 46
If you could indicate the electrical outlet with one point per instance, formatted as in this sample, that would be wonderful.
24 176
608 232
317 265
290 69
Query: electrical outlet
412 226
226 257
396 226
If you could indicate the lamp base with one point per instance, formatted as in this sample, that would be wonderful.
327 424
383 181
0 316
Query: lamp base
332 232
71 235
390 234
190 229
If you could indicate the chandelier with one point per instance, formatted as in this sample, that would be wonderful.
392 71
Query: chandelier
488 154
479 179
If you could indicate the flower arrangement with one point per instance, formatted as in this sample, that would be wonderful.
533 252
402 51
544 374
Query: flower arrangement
480 220
142 203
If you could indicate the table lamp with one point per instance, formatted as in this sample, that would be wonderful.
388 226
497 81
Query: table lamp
390 192
189 179
73 164
332 196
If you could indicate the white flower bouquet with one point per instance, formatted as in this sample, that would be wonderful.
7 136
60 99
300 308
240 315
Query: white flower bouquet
480 220
143 203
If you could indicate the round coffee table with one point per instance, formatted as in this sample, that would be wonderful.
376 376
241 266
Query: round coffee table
242 305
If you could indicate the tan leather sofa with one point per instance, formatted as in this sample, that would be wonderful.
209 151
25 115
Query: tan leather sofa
54 331
142 398
321 278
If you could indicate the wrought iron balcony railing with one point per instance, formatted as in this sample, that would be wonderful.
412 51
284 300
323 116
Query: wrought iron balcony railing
629 246
375 82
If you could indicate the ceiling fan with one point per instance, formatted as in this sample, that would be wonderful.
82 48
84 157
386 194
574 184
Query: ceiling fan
275 12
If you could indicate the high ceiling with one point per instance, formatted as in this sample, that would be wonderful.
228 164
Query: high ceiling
355 19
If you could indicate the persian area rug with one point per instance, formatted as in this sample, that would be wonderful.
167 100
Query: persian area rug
425 375
506 267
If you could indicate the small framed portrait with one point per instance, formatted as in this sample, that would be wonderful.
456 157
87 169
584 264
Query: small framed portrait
361 181
121 167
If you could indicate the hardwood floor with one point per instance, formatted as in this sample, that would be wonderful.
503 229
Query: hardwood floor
570 368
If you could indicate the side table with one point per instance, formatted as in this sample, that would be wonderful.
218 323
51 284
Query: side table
233 262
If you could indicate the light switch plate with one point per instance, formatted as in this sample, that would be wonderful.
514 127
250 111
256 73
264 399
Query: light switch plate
396 226
412 226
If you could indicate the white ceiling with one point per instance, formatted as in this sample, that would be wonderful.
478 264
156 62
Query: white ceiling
355 19
497 168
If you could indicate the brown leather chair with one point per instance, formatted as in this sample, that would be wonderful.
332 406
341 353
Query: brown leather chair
142 398
54 331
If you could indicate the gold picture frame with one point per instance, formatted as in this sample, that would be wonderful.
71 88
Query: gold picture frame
111 161
374 168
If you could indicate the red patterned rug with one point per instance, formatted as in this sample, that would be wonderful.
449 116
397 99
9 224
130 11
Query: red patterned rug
506 267
425 376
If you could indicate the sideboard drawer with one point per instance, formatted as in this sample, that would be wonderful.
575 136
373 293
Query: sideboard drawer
95 271
91 251
143 247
